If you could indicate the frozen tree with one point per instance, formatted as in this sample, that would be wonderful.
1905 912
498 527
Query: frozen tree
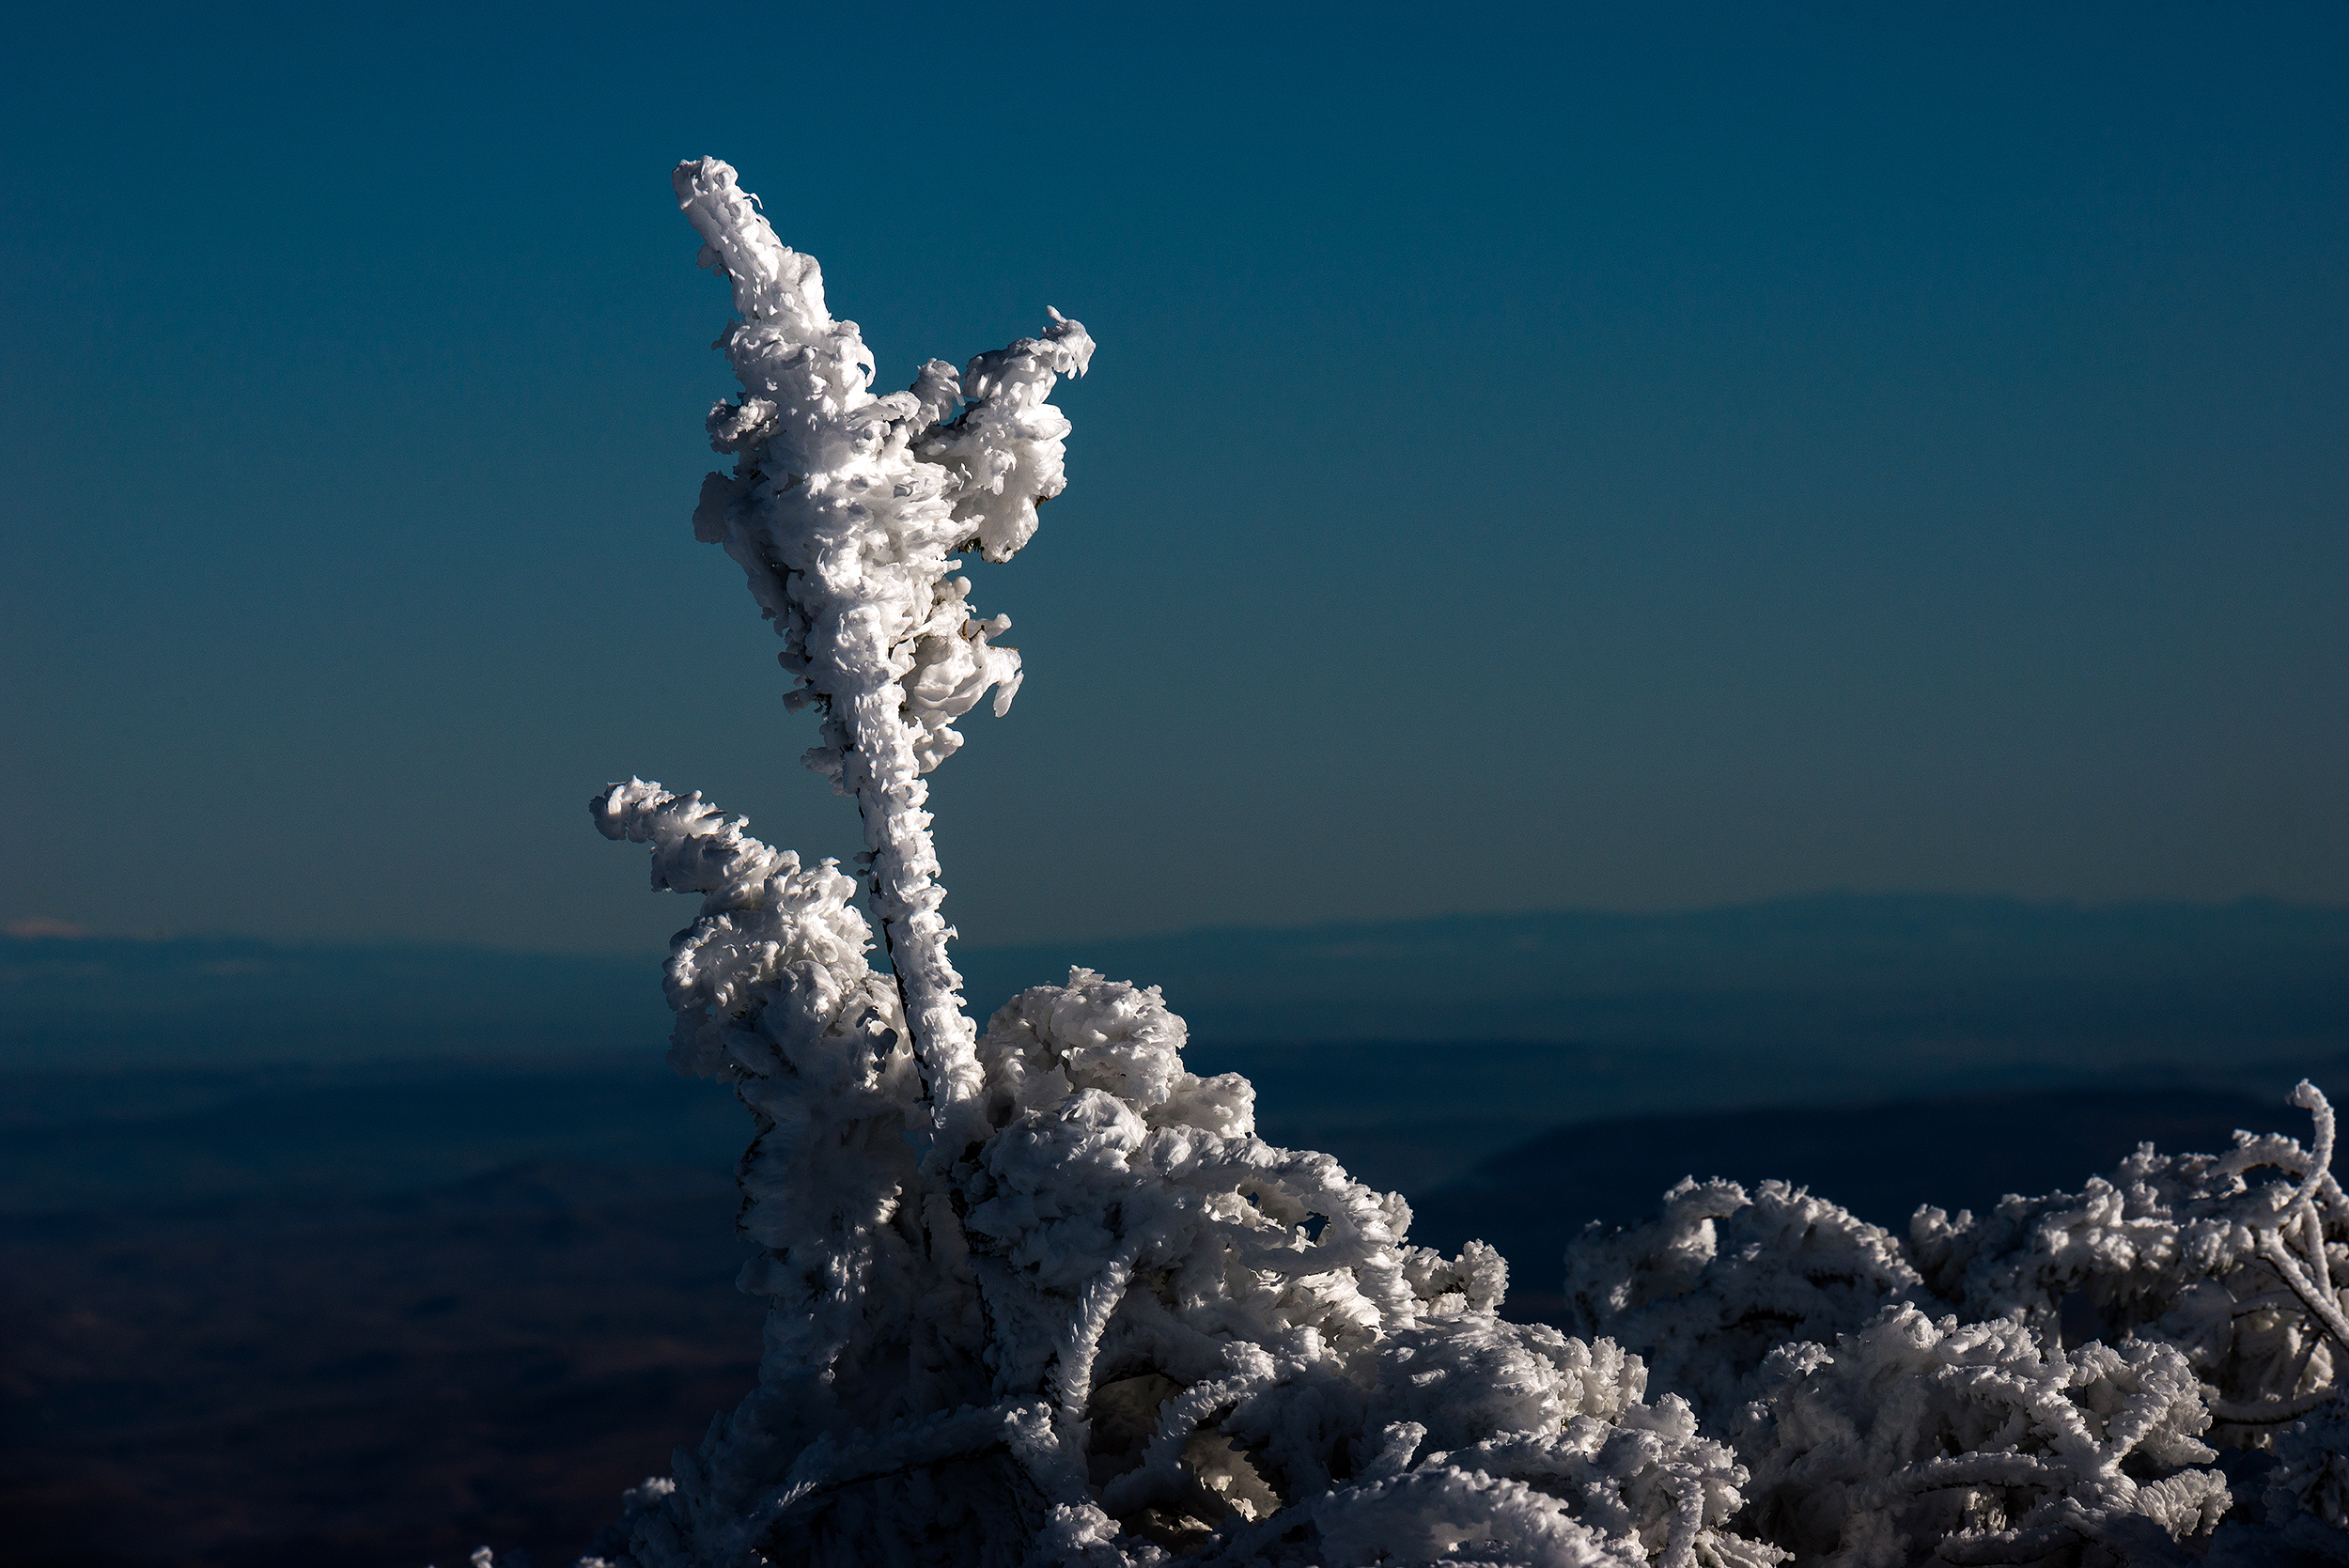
1040 1295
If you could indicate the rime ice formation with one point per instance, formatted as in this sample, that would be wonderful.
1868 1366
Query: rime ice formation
1038 1295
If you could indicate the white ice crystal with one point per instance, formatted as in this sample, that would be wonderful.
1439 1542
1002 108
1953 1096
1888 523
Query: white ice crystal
1040 1295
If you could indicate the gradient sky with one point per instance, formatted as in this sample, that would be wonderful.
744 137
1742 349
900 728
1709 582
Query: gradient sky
1636 457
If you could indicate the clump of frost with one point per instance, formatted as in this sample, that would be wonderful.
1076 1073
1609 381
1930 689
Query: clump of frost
1040 1295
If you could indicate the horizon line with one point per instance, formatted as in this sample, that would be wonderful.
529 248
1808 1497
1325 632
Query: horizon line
43 930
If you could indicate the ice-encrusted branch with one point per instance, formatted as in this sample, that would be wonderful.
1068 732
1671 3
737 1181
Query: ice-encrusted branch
2295 1248
845 510
767 927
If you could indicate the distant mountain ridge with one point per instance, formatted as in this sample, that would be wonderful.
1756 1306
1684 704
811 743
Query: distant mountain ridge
1892 961
1834 970
205 1002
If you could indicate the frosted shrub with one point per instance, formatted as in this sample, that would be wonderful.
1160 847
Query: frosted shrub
1707 1288
1040 1295
1897 1402
2238 1273
1980 1443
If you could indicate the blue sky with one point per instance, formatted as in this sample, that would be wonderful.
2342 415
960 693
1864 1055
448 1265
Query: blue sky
1624 457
